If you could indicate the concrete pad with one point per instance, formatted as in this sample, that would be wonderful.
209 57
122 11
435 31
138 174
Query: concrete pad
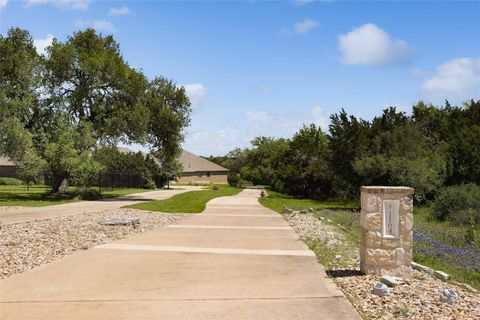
206 220
237 309
284 239
183 249
190 271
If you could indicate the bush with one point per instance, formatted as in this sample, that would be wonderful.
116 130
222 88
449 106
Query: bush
4 181
458 204
89 194
149 184
233 179
215 188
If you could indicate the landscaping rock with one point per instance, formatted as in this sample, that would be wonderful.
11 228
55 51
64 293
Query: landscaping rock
380 289
389 281
121 222
449 296
441 275
420 267
26 245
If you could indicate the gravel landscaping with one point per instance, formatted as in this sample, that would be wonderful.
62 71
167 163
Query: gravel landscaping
415 299
24 246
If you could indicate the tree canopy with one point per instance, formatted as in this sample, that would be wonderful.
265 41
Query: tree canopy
81 94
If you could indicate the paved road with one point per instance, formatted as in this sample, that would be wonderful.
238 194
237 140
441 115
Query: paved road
8 216
237 260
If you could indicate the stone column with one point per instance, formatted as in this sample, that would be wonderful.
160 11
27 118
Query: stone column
386 223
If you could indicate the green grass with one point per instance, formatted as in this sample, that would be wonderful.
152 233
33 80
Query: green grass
36 196
188 202
122 192
276 201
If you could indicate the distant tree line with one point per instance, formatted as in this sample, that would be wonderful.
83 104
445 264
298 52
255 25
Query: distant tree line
430 149
57 108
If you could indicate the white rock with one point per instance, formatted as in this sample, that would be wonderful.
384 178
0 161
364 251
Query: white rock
389 281
449 296
441 275
380 289
420 267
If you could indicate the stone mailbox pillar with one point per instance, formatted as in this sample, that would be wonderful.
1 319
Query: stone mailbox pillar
386 223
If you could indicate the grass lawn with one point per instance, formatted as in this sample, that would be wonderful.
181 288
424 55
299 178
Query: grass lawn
276 201
188 202
36 196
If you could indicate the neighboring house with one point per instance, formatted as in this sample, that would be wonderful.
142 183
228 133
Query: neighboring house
199 170
195 169
7 168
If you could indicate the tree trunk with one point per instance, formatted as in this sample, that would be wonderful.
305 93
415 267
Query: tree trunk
61 186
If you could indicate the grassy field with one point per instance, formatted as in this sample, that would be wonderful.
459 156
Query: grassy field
188 202
439 245
36 196
276 201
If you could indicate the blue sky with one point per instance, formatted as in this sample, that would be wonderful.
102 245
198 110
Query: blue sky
264 68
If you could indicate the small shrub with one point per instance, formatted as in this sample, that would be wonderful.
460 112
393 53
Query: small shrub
89 194
458 204
4 181
215 188
149 184
233 179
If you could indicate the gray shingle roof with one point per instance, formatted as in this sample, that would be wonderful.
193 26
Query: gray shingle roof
193 163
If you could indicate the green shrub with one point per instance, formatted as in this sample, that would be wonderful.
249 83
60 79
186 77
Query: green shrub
149 184
233 179
4 181
89 194
458 204
215 188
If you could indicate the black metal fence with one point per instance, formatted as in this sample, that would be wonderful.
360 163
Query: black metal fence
110 181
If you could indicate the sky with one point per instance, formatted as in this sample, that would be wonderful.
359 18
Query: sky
265 68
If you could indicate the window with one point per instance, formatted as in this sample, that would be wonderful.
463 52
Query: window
208 174
199 173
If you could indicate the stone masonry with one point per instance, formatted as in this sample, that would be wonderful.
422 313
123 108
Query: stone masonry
386 223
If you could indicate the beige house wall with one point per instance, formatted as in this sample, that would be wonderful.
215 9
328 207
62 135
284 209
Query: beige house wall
215 178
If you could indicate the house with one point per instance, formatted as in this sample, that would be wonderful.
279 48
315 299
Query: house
7 168
195 169
199 170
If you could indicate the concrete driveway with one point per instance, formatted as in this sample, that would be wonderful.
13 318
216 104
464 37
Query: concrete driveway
15 215
237 260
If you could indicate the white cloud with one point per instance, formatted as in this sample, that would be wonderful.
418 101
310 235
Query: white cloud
371 45
217 142
284 124
104 25
99 25
64 4
456 80
196 92
3 4
304 26
122 11
300 27
256 123
42 44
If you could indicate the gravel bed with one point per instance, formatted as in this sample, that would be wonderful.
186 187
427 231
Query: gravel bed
418 298
24 246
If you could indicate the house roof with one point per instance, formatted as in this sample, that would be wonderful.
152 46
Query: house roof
194 163
4 161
